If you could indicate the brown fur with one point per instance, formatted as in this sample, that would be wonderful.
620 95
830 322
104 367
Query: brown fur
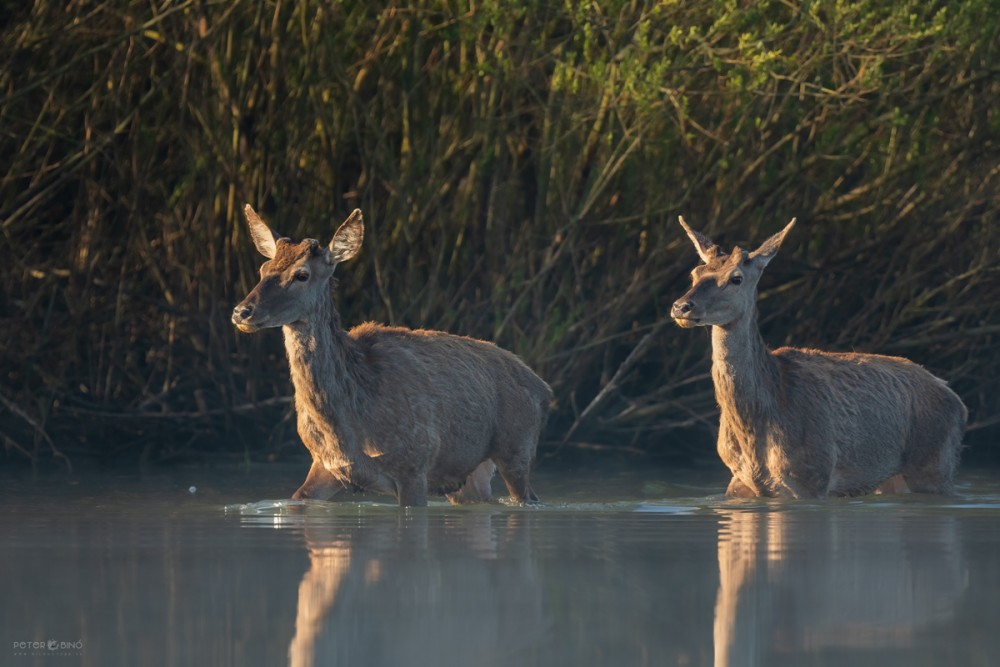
805 423
392 410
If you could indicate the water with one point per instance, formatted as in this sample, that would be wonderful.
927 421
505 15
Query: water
623 566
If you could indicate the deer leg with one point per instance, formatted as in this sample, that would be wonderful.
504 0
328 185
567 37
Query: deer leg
514 464
516 481
895 484
932 478
477 485
319 484
738 489
513 450
931 468
412 491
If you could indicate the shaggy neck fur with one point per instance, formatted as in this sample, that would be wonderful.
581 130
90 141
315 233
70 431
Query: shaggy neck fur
746 376
323 361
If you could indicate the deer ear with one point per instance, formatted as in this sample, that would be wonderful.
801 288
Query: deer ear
261 234
704 245
769 248
347 241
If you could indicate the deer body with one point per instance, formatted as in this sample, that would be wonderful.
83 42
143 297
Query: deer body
805 423
392 410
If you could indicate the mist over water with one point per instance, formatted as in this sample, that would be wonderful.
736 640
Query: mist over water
622 565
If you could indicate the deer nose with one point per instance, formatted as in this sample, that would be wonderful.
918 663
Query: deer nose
242 311
681 308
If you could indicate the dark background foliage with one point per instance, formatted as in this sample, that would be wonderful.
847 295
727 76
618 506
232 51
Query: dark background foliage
521 167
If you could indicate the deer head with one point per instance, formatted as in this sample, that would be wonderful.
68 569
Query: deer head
724 288
296 275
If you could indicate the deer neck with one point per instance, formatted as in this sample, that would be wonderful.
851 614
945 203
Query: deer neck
323 360
745 374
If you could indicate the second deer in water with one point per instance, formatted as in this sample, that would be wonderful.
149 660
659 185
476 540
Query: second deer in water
391 410
804 423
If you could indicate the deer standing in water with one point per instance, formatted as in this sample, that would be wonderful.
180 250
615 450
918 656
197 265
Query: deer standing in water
391 410
804 423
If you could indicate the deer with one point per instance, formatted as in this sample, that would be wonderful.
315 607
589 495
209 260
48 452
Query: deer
805 423
391 410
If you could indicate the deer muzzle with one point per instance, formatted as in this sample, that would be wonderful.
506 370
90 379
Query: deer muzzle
683 313
243 315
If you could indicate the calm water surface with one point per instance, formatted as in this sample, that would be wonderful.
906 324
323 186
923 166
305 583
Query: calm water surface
623 566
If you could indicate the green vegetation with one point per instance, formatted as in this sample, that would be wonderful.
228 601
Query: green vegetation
520 165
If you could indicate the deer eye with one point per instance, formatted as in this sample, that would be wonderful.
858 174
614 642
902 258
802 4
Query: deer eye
301 275
736 280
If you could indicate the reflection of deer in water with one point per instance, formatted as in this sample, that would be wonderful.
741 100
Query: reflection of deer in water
386 589
796 583
391 410
805 423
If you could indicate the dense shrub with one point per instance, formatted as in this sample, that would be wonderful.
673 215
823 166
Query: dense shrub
520 165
